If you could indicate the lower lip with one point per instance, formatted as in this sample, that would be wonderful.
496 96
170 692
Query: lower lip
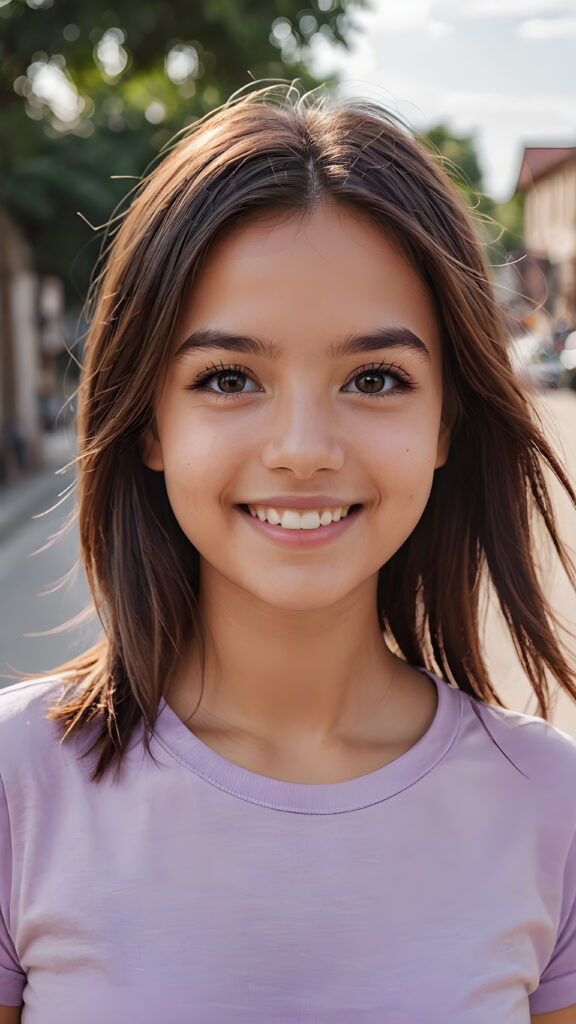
302 538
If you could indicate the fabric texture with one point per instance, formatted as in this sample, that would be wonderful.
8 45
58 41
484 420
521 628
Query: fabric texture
439 887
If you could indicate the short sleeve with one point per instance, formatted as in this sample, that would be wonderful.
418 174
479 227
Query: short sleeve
12 977
557 988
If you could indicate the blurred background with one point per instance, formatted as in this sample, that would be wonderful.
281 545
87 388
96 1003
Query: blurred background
89 96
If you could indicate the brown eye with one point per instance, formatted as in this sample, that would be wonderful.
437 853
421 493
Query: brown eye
372 381
225 382
231 383
379 381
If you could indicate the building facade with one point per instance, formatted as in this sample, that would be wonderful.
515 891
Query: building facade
20 437
547 180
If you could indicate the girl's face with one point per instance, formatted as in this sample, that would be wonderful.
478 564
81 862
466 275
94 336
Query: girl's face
305 378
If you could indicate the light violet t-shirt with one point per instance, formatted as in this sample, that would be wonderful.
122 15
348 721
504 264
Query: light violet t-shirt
441 887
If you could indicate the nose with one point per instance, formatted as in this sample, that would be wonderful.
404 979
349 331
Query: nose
302 437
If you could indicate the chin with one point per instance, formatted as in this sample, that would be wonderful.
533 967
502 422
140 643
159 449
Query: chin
302 598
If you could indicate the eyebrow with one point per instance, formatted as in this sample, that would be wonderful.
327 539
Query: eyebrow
380 338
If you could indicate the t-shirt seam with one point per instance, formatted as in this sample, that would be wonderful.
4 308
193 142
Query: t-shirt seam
547 987
240 796
325 810
5 798
8 916
555 977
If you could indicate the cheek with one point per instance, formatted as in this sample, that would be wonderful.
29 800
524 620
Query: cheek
185 441
200 462
405 459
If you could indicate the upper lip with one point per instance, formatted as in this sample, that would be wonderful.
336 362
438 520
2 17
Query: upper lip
299 501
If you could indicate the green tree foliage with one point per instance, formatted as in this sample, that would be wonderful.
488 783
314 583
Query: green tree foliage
90 93
459 155
510 216
501 224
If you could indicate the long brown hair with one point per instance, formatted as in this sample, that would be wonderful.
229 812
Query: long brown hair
272 149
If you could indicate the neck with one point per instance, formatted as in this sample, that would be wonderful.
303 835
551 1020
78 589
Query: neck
318 676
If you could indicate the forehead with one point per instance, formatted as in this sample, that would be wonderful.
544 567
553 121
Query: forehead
319 276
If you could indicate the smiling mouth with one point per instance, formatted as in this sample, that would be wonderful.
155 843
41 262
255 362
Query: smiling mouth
308 519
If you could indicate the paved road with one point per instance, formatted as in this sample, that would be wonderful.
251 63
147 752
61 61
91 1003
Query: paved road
24 576
558 413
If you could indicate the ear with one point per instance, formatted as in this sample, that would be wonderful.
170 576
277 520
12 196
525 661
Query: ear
443 445
151 450
449 424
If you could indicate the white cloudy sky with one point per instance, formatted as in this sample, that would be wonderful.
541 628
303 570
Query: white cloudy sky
503 70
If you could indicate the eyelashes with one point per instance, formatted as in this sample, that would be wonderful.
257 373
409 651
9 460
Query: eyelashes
402 380
219 370
235 375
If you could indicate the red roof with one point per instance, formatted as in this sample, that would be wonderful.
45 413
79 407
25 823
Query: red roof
537 160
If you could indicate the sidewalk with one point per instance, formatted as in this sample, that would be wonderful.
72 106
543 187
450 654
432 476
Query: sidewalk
34 493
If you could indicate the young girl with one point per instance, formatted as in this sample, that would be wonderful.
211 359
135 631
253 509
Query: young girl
283 788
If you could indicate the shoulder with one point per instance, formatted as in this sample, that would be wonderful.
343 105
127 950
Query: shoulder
26 733
25 701
541 752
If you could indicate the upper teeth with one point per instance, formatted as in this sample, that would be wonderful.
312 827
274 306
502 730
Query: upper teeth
290 519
